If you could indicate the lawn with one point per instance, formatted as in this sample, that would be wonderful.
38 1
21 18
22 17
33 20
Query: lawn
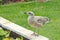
15 13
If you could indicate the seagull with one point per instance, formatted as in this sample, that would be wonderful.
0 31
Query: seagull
36 21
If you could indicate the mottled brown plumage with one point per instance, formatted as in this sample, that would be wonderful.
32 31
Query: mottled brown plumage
36 21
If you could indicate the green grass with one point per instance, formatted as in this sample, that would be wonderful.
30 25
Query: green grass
15 13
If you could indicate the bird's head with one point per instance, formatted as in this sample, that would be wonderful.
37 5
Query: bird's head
30 13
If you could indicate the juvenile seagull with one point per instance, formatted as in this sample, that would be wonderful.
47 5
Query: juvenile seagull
36 21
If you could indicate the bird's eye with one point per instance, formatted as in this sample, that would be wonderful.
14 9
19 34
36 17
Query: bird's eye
29 13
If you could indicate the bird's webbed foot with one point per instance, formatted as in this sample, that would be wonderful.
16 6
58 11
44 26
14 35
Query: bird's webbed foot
35 34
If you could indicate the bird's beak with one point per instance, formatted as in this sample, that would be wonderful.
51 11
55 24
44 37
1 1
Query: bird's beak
25 12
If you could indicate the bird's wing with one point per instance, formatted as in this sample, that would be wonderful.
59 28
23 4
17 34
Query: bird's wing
41 19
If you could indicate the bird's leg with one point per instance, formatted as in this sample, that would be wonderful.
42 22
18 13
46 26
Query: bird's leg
34 33
38 31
